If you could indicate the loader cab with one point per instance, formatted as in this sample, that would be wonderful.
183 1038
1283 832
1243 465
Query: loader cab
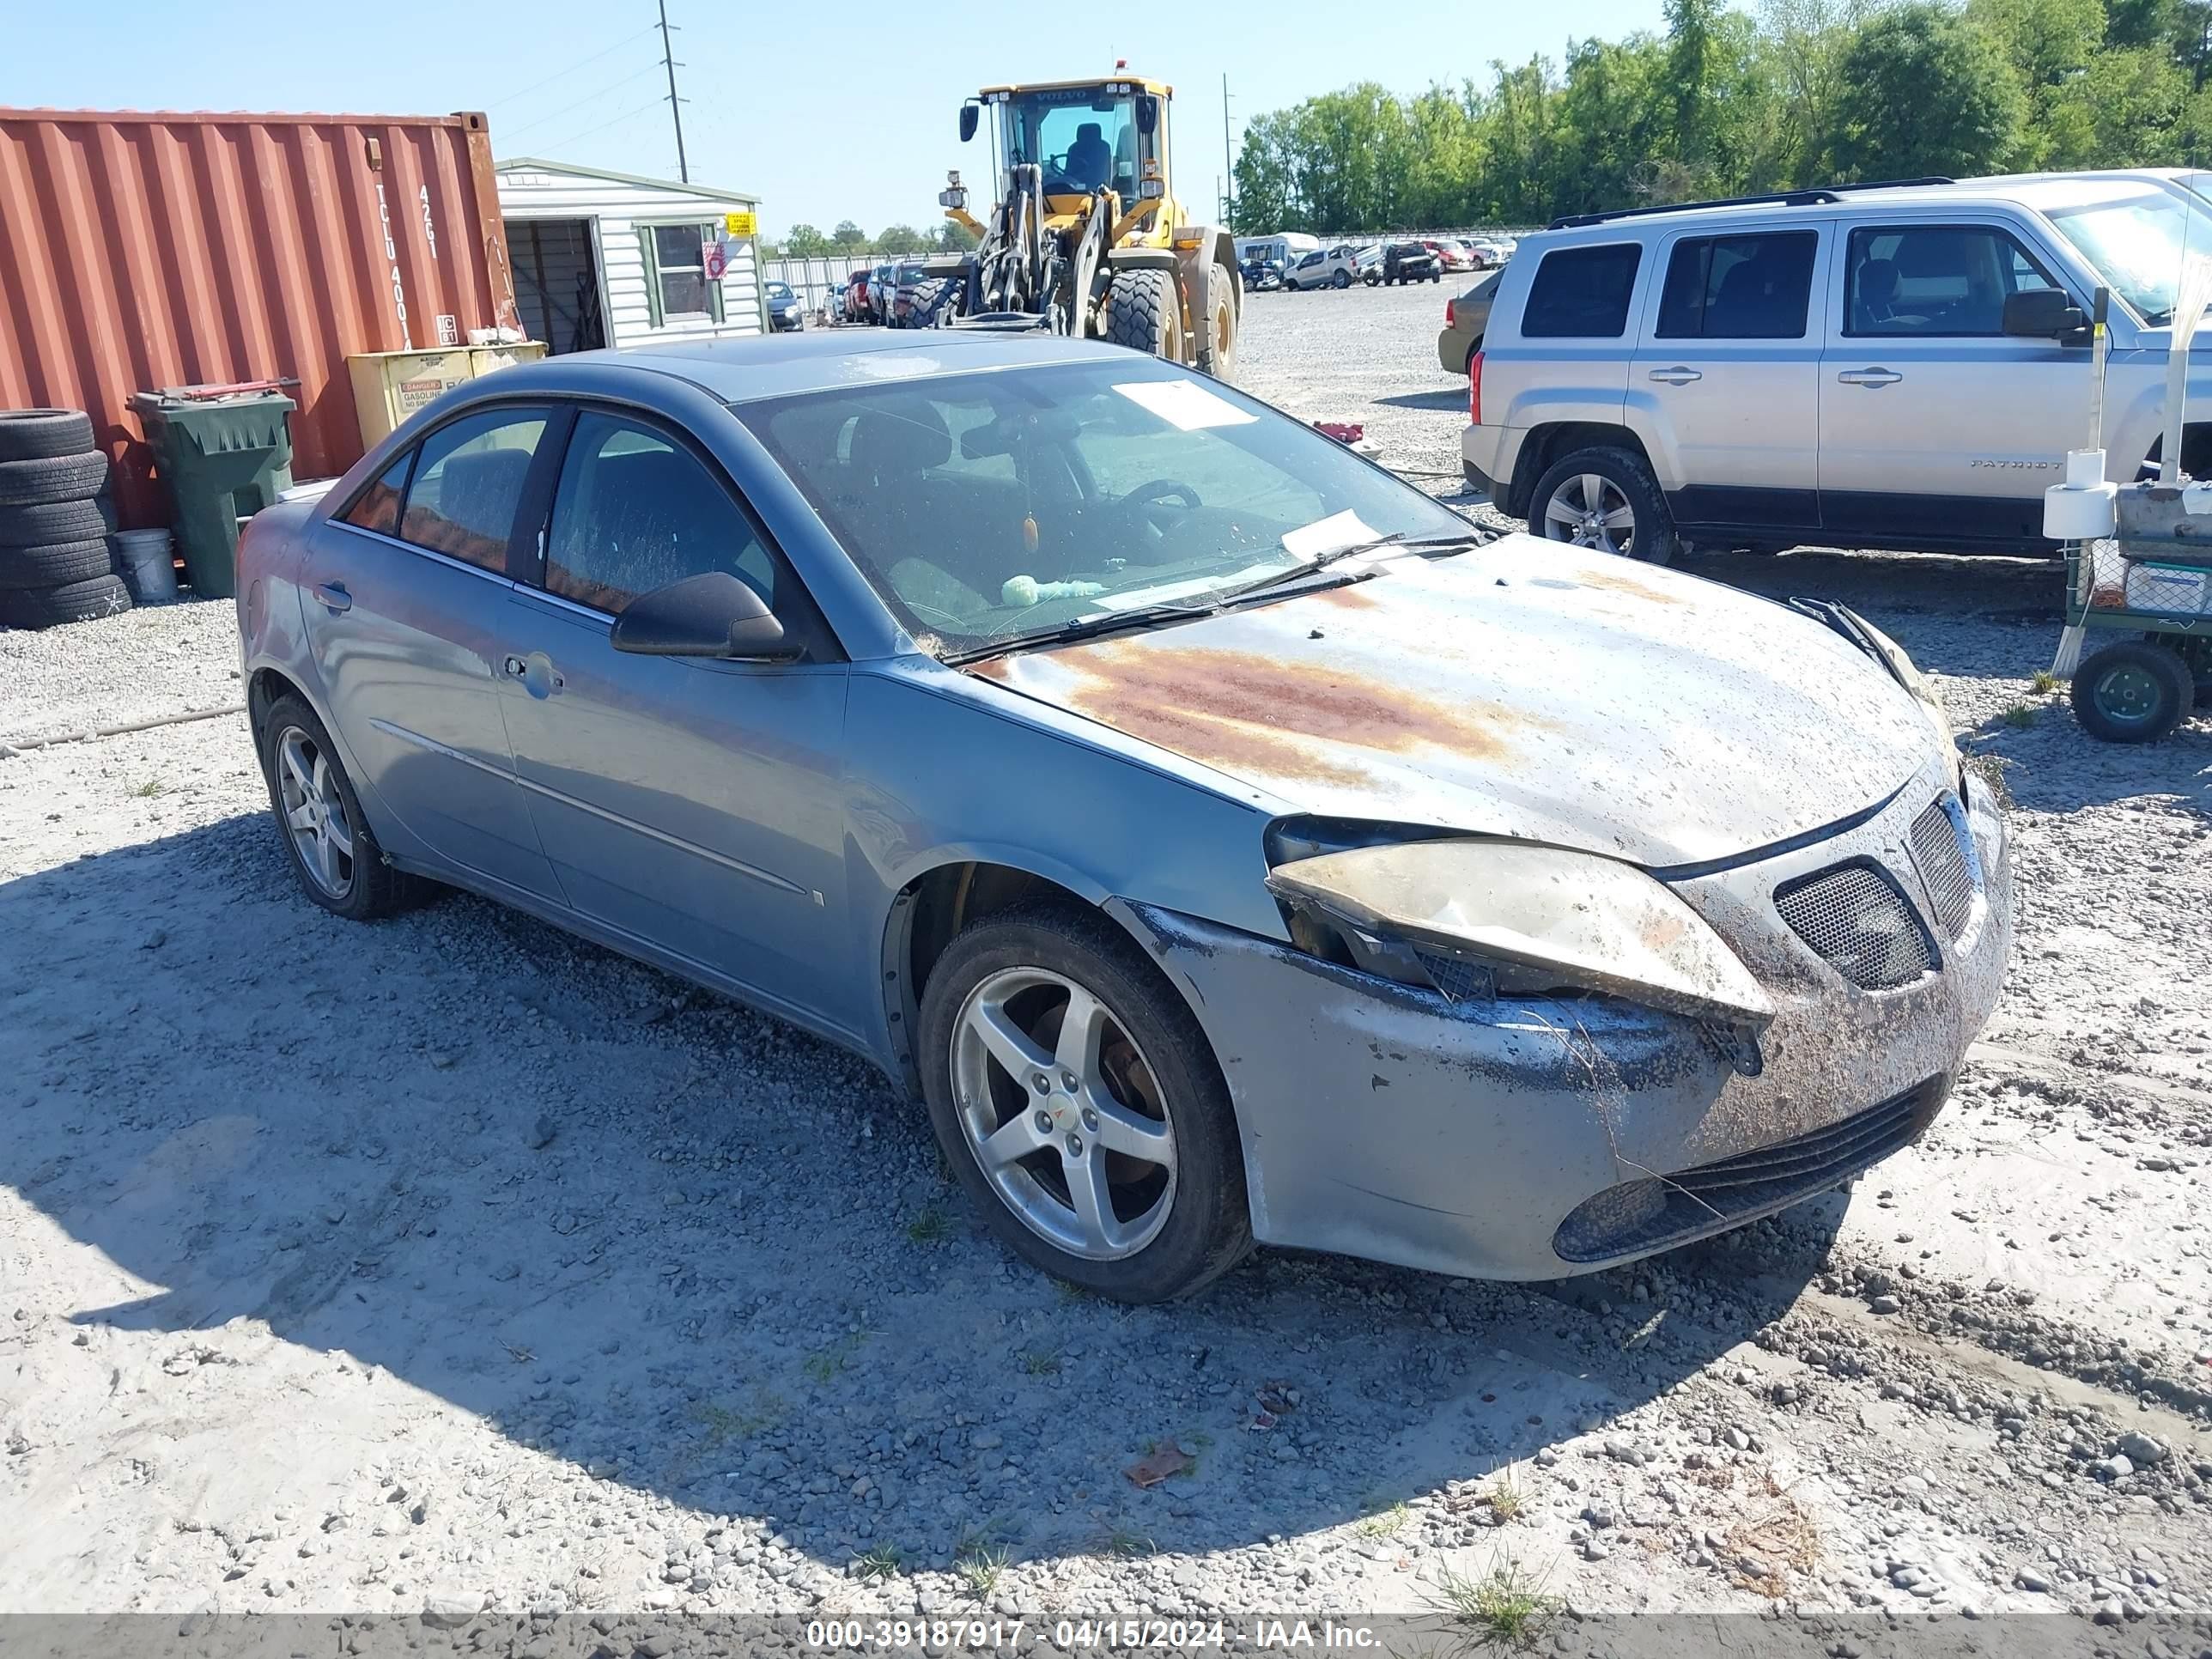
1085 137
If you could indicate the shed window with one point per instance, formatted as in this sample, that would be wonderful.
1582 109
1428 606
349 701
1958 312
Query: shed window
676 279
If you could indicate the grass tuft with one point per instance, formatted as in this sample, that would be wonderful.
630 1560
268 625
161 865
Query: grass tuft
1382 1519
979 1570
1506 1608
932 1226
1041 1362
1124 1543
2044 682
2019 715
882 1562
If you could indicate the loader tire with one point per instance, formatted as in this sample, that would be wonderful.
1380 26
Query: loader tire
1143 314
1217 343
930 299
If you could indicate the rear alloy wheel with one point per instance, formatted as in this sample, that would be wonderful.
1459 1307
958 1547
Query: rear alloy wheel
2132 692
1605 500
333 851
1080 1107
1342 279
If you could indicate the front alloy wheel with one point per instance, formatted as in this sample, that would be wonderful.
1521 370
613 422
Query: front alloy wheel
1079 1105
314 814
1065 1117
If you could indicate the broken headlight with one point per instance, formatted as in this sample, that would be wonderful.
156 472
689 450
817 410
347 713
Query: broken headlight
1480 918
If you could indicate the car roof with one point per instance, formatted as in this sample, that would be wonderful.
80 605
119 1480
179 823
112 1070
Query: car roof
739 368
2041 193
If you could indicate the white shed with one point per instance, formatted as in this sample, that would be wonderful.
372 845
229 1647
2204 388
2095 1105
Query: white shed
611 259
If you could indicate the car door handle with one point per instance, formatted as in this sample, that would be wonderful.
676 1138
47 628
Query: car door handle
535 672
1680 374
333 595
1876 377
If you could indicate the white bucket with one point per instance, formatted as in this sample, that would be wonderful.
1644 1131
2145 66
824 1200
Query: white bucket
148 564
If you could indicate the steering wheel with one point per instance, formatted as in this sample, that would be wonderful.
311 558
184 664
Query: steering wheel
1160 489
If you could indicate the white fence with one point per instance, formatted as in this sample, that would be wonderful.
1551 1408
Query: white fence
815 280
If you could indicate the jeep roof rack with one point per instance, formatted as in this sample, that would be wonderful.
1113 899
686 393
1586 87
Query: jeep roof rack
1816 196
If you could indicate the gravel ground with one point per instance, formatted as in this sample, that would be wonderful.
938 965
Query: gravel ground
452 1264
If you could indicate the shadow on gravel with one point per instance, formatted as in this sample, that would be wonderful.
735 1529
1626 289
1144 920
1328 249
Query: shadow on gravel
697 1252
1991 587
2050 764
1449 398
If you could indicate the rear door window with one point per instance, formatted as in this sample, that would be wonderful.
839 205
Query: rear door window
1934 281
1581 292
1739 287
468 484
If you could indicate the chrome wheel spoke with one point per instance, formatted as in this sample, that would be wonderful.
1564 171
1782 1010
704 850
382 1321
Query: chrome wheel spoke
1622 518
296 767
1023 1056
1593 489
1557 511
1119 1129
301 818
336 833
1013 1140
1082 1029
1093 1199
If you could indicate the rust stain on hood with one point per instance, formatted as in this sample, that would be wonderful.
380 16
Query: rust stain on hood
1526 688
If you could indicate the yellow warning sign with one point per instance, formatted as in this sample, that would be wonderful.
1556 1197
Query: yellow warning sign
742 224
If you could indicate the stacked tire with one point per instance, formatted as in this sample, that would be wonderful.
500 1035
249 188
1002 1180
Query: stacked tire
55 562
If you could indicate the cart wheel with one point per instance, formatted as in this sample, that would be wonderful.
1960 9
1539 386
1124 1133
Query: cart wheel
2132 692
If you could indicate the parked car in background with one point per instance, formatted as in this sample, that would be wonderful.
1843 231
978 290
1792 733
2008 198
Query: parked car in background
1133 831
1335 267
1402 262
1451 253
1490 252
853 299
1261 275
784 312
1899 366
1467 314
883 289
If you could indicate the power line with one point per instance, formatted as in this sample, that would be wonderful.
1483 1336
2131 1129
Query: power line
559 75
617 121
588 98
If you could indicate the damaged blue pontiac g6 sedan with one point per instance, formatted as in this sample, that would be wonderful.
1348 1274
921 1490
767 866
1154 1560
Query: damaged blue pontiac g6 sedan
1226 841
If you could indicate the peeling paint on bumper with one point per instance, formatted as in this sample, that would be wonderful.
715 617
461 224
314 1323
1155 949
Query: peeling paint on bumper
1382 1121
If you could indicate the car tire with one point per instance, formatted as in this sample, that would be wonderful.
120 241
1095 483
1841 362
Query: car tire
39 523
35 435
1626 482
2134 691
30 608
359 885
1186 1221
1217 346
1142 313
57 564
1342 279
52 478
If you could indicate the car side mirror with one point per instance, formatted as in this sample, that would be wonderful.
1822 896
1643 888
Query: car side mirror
970 113
1148 113
713 615
2042 313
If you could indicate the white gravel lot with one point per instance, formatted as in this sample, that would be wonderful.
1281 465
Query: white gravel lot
451 1263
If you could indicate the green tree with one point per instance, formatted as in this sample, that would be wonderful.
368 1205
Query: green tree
2049 44
900 239
847 238
1922 90
953 237
805 242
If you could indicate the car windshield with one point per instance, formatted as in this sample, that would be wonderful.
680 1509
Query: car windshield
779 291
988 508
2138 246
1084 137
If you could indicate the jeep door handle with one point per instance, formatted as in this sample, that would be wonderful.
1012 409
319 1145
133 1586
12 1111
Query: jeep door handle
1874 377
334 596
1680 374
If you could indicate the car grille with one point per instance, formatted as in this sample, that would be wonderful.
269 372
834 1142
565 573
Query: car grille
1656 1212
1856 921
1939 847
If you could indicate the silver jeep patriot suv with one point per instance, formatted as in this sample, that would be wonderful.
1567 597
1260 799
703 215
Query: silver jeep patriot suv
1888 366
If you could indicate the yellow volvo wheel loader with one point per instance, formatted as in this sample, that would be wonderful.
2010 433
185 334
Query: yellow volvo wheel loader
1088 238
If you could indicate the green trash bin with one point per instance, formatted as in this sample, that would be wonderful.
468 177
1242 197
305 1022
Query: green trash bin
223 454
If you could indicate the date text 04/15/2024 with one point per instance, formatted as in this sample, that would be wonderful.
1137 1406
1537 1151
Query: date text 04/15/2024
1078 1635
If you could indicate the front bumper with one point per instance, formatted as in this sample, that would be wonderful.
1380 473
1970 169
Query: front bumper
1523 1138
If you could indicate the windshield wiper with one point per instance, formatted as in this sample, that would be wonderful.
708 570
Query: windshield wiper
1473 537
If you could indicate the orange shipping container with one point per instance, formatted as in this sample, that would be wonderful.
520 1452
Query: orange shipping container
146 250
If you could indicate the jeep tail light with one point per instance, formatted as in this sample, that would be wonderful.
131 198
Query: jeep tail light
1475 389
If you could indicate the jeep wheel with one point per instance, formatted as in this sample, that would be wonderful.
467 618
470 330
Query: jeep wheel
1606 500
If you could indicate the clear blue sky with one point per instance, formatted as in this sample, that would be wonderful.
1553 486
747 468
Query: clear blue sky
826 110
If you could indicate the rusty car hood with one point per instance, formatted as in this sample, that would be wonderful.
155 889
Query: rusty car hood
1524 688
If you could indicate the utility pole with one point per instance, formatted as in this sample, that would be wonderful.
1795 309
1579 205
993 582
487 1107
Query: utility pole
675 104
1228 160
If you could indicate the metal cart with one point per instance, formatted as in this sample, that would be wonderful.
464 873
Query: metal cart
2149 589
